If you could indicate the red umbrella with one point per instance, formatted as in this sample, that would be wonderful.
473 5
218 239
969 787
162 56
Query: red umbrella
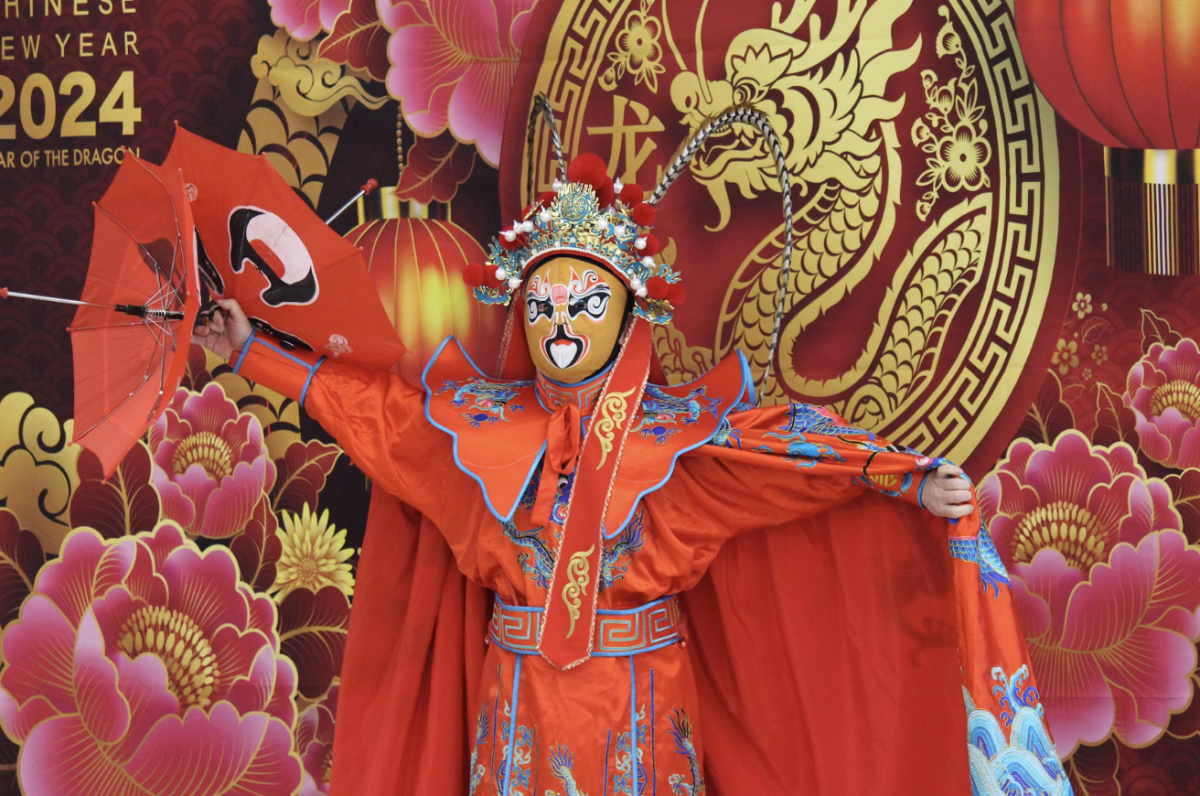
137 309
259 242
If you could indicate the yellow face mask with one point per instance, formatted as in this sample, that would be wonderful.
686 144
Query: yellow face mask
573 315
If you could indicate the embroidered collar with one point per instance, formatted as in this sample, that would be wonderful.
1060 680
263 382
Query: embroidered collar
500 428
552 394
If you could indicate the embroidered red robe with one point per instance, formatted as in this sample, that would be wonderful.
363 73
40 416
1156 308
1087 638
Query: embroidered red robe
467 455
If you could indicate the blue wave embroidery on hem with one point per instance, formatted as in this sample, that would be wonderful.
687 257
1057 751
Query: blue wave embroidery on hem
1026 759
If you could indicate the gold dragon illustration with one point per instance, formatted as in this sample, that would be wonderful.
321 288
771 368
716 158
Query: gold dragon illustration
826 86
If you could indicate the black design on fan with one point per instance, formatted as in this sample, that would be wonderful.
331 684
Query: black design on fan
279 291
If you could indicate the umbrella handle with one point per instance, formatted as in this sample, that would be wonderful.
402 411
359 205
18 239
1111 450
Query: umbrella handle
137 310
367 187
142 311
6 293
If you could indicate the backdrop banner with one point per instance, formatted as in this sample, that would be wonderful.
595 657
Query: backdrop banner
949 290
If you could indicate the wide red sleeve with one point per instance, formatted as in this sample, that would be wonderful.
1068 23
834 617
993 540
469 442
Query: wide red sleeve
824 645
776 465
376 416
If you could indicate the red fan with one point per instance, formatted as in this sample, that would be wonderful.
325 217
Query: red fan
259 242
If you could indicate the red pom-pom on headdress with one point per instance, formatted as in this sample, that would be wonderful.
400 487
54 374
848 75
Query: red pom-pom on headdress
658 288
643 214
589 168
545 199
473 275
632 195
677 294
490 279
605 193
652 246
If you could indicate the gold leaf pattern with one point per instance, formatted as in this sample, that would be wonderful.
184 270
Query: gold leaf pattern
298 110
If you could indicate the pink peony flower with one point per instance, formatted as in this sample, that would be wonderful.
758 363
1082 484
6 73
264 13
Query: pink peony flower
1163 389
314 741
1107 586
141 665
1073 497
304 19
454 63
211 467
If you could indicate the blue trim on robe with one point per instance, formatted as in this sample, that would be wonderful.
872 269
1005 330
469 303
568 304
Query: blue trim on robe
537 460
746 383
747 389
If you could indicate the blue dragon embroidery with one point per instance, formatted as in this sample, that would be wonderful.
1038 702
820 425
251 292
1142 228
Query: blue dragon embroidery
798 449
681 731
482 731
727 436
663 413
537 559
627 543
538 556
562 766
811 419
485 401
982 552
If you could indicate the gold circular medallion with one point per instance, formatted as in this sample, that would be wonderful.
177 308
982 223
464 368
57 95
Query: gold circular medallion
926 194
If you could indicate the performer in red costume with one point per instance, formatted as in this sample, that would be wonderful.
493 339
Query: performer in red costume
588 498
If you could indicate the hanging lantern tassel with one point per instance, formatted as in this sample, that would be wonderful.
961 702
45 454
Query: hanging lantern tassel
1153 211
1127 75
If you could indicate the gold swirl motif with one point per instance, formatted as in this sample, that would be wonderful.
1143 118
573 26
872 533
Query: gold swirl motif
578 576
614 410
38 468
300 105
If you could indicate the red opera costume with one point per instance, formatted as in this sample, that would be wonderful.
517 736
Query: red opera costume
590 508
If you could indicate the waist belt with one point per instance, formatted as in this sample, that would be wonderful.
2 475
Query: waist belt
652 626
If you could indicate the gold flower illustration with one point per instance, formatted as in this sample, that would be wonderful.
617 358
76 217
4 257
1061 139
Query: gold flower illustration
1082 305
637 51
313 555
964 155
953 134
1066 356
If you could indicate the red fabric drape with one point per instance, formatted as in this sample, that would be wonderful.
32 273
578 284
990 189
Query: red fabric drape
413 657
825 652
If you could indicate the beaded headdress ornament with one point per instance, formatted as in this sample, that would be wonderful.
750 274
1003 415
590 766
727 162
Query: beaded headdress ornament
590 215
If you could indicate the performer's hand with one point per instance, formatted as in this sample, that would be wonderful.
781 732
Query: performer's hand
946 493
226 331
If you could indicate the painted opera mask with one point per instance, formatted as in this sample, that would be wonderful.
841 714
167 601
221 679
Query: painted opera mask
574 313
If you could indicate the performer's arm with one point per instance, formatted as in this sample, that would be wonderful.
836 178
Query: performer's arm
793 461
376 416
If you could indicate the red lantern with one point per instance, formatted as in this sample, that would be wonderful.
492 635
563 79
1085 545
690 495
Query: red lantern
1127 73
417 266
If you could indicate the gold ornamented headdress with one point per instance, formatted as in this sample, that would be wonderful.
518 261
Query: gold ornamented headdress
590 215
